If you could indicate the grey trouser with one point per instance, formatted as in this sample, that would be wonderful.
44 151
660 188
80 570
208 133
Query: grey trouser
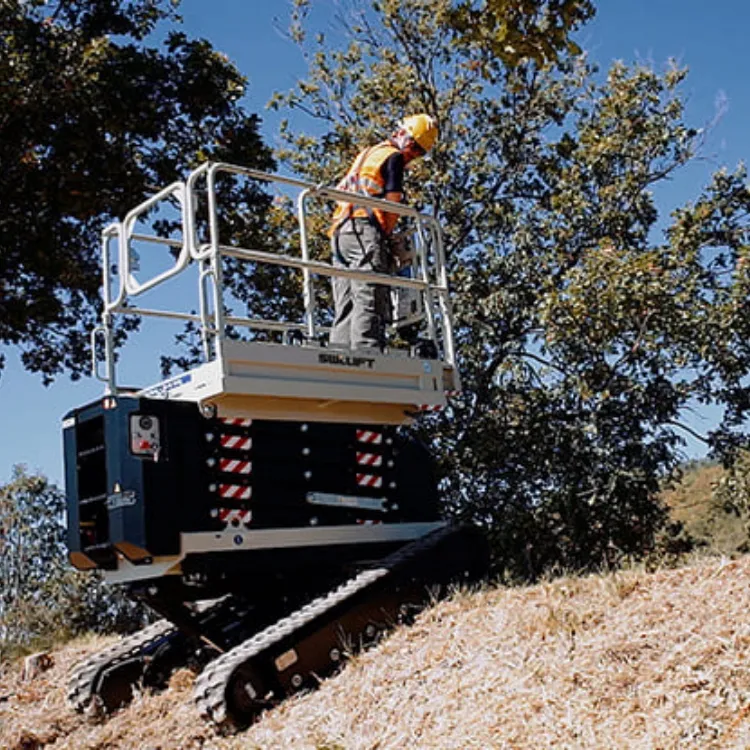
362 309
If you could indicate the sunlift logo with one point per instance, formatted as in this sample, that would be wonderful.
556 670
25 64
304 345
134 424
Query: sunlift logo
346 360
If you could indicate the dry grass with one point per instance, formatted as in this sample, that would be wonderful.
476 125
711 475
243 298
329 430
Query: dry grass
628 660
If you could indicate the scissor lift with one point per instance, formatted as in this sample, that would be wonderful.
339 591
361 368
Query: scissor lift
301 377
257 482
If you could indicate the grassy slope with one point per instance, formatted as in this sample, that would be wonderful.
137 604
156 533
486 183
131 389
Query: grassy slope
626 660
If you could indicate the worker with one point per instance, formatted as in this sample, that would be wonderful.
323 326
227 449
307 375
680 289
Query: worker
362 237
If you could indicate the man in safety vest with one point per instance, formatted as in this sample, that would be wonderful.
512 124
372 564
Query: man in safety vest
360 235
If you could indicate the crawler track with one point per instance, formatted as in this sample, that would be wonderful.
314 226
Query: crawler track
105 681
256 671
103 678
296 650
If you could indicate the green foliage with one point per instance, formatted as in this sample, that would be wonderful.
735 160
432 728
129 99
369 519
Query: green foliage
517 30
583 332
93 119
42 600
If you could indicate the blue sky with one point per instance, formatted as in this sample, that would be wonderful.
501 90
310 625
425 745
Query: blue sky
710 38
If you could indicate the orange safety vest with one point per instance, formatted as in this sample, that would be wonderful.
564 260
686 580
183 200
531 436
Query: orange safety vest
364 178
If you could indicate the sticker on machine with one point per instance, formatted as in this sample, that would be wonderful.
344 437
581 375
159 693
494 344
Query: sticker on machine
286 660
121 500
163 389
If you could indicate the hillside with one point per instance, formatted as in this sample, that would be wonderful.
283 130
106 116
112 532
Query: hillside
692 503
633 660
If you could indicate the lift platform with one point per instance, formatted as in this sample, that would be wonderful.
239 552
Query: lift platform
299 375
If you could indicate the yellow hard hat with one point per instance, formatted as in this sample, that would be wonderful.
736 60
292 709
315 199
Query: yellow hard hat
422 128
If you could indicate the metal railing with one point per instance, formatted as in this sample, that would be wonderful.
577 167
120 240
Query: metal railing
122 288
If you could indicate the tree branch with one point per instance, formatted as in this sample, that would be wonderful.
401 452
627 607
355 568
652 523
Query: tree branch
689 430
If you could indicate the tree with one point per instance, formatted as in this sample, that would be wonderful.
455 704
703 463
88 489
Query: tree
42 597
93 118
517 30
583 335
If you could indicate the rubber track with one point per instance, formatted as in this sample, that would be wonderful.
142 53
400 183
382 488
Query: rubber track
211 684
84 675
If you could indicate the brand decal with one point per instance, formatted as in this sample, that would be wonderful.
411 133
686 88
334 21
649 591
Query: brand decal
121 500
167 386
346 360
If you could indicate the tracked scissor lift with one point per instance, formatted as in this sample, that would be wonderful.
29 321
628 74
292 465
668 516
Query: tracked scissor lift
266 503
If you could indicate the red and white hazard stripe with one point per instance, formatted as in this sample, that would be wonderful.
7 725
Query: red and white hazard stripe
369 480
369 459
429 407
236 442
237 421
366 436
368 522
233 466
235 491
236 516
